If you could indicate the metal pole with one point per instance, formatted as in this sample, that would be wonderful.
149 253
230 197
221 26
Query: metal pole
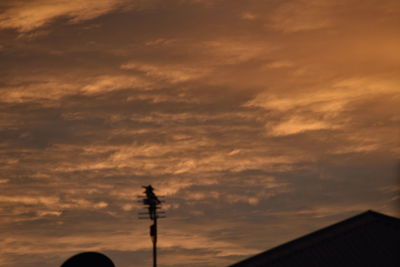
154 232
153 204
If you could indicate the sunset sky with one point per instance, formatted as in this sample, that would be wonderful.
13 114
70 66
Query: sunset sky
258 121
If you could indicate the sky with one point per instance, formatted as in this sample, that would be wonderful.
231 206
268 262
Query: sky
258 121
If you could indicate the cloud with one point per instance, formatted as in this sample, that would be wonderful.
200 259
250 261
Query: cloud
170 73
248 16
273 117
302 15
28 16
236 52
299 125
106 83
29 200
279 64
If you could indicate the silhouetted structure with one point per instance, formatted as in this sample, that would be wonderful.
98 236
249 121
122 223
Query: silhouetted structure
153 205
87 259
368 239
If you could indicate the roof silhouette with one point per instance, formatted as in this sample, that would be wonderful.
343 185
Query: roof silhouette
88 259
367 239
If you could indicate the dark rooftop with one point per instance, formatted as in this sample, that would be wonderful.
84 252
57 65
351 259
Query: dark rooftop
367 239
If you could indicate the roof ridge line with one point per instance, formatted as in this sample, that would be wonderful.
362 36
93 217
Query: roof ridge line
340 227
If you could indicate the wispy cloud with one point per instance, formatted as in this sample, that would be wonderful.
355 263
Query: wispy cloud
303 15
27 16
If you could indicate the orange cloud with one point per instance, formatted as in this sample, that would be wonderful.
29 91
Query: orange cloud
302 15
265 116
298 125
28 16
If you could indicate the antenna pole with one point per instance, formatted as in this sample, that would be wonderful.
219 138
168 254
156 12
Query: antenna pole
153 205
154 228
